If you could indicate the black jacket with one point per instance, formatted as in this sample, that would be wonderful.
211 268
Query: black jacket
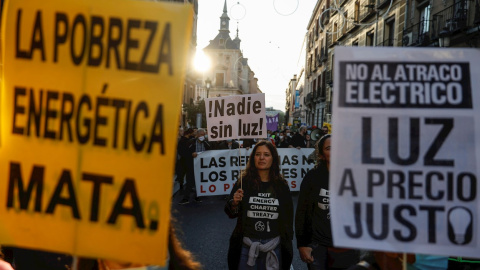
312 183
285 221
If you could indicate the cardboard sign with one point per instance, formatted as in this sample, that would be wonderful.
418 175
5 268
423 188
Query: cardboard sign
236 117
90 93
405 150
217 171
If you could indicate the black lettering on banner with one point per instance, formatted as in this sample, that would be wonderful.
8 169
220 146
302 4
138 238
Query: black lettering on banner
60 18
37 42
93 36
367 143
347 183
17 109
405 222
383 216
71 200
115 26
240 108
447 126
96 41
97 181
50 113
358 232
221 131
135 211
65 194
250 129
405 85
34 113
432 220
36 181
131 44
79 21
84 118
393 142
66 116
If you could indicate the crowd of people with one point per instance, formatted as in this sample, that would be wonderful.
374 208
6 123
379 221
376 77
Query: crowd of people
262 203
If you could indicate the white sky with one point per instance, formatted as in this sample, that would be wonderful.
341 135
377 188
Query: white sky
272 42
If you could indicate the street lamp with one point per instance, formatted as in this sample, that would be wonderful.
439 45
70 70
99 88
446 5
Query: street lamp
208 84
444 38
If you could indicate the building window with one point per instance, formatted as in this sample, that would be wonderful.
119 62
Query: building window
369 38
424 26
355 43
389 32
219 79
356 15
334 32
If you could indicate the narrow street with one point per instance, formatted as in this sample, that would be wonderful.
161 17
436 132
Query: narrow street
205 229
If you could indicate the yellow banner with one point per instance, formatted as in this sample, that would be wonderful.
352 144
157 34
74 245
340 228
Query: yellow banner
90 98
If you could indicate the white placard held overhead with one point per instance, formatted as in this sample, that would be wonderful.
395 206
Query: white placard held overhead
236 117
405 149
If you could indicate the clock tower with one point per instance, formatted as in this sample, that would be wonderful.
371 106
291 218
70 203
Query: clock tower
230 73
224 19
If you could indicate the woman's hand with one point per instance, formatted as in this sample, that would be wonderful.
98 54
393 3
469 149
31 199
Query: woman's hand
306 254
237 197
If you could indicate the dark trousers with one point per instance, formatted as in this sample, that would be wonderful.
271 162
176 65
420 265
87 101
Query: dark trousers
332 258
190 181
180 171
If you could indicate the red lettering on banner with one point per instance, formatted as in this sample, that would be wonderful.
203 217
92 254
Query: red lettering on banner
293 184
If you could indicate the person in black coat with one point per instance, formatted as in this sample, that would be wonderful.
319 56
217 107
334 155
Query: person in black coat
312 218
196 146
262 203
182 151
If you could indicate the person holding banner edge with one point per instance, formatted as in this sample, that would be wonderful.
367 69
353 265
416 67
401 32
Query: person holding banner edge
312 218
262 203
198 145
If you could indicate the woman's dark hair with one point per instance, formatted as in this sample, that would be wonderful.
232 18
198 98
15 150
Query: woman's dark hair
250 174
319 151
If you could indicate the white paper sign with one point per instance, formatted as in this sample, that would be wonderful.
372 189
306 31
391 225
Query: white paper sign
217 171
405 148
236 117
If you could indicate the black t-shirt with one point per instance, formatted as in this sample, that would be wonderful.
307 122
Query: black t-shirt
321 228
262 211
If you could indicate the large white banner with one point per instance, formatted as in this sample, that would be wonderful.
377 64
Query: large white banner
236 117
405 150
217 171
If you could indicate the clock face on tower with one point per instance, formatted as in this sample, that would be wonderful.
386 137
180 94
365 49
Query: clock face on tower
223 23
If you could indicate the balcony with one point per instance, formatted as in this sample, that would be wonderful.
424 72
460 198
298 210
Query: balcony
418 34
328 77
383 3
309 99
367 10
453 18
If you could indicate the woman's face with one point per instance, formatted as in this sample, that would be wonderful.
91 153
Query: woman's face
326 150
263 158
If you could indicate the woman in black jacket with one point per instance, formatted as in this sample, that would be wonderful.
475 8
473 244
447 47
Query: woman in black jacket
312 218
263 206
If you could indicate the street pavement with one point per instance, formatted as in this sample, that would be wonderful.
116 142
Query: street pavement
204 229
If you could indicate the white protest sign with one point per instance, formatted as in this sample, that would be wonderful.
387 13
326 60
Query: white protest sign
405 150
236 117
217 171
